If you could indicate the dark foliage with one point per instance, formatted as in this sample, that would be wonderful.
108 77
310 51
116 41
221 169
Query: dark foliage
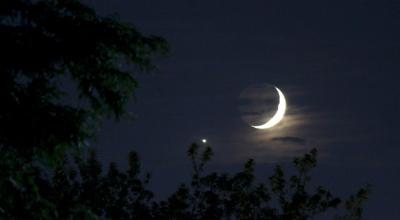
45 173
44 42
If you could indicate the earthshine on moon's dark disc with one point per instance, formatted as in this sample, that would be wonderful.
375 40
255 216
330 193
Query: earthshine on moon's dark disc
262 106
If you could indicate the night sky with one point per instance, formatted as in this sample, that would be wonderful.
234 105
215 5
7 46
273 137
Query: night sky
337 62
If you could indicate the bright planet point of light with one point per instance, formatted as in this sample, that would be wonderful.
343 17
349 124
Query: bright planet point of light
278 115
204 140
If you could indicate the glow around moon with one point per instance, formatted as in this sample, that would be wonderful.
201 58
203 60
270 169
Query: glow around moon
280 113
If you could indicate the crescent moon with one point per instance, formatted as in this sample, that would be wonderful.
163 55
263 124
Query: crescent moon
278 115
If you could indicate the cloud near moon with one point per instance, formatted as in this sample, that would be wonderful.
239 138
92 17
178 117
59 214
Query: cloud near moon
302 129
298 132
288 139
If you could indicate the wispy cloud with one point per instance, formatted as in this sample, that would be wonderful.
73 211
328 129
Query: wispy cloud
288 139
299 131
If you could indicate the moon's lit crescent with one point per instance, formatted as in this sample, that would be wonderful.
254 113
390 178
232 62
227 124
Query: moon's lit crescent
278 115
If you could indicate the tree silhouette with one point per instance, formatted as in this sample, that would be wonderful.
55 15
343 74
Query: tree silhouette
46 171
44 42
240 196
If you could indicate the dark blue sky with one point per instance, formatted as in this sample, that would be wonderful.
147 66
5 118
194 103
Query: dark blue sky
336 61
